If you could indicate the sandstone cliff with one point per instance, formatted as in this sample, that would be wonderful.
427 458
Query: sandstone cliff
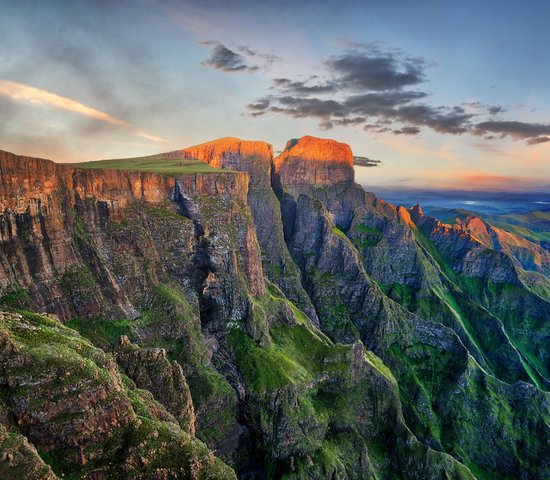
314 161
302 327
256 158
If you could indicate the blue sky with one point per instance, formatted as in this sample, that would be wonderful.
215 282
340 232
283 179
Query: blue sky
445 94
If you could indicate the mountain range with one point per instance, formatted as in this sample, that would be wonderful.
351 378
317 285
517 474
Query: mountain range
215 312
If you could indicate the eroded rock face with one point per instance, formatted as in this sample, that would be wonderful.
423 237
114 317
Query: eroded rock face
19 458
234 154
321 169
48 211
70 402
316 162
151 370
178 259
526 254
256 158
351 306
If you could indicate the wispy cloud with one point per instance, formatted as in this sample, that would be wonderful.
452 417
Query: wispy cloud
20 92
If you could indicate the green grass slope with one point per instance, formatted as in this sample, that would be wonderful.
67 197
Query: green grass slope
153 164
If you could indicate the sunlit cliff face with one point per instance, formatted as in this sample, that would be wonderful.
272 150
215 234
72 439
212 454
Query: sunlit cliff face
255 157
315 161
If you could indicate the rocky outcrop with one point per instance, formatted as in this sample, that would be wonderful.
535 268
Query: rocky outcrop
316 162
177 254
19 459
234 154
339 417
386 240
151 370
493 280
68 399
322 169
526 254
256 158
50 210
385 376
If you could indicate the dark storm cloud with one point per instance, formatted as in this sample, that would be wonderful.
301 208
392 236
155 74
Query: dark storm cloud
371 87
517 130
360 71
301 88
222 58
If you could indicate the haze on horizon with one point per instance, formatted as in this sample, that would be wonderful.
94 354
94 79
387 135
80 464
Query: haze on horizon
445 94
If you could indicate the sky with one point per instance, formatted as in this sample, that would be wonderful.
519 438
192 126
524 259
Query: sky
445 94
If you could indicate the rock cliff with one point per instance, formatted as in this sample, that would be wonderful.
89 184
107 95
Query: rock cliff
311 161
256 158
270 308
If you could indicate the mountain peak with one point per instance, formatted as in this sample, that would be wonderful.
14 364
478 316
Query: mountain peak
416 212
318 150
254 157
315 161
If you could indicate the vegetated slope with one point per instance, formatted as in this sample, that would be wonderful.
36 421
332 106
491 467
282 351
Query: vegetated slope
195 282
533 226
81 414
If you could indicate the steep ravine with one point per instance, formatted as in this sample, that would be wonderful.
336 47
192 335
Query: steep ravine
233 307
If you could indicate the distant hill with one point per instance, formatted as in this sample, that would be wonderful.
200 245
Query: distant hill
534 226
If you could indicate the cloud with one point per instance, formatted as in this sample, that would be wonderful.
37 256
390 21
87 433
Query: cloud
370 86
366 85
359 70
269 58
452 120
299 107
407 131
366 162
381 103
538 140
26 93
20 92
226 60
533 133
301 88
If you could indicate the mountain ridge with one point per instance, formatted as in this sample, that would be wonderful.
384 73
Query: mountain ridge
305 314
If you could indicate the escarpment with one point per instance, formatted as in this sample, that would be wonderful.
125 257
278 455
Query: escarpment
70 401
256 158
316 162
322 169
234 154
265 318
55 213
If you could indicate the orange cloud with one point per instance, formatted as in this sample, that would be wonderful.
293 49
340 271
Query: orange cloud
25 93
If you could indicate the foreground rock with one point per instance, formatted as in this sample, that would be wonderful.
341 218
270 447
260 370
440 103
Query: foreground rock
69 401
